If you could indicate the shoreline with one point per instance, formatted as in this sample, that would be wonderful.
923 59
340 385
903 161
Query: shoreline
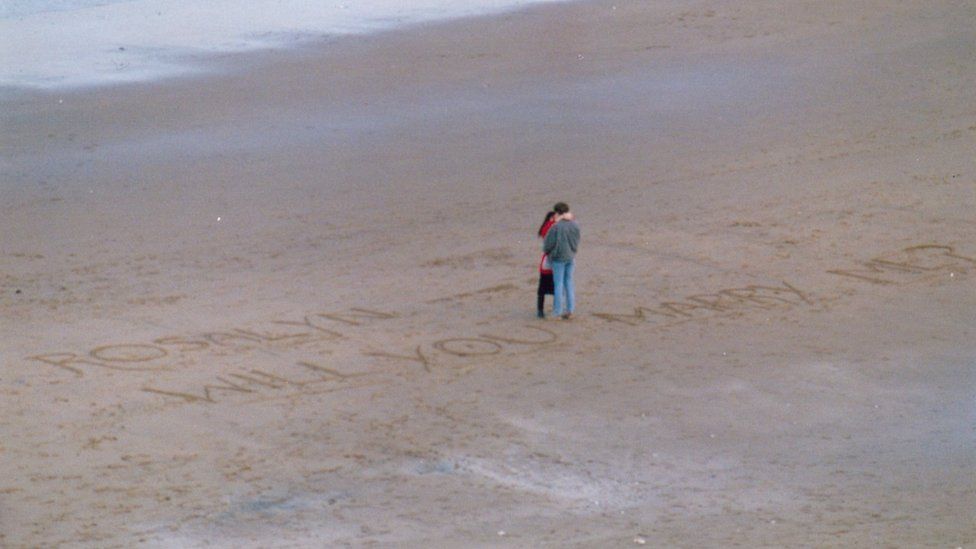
294 301
143 43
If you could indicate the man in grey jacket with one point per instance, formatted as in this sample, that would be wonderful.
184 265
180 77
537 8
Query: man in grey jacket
560 245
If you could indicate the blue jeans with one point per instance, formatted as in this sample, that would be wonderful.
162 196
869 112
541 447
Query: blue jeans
562 278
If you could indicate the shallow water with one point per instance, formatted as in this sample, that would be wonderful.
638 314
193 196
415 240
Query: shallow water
51 44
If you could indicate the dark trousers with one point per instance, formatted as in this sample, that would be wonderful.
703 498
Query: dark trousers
546 286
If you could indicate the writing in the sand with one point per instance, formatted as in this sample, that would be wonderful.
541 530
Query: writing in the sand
299 377
312 332
908 264
723 301
903 266
255 384
152 355
303 377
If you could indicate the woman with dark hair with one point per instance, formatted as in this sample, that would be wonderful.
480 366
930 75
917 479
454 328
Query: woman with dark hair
545 269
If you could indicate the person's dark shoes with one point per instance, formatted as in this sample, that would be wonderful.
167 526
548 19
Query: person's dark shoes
540 314
567 316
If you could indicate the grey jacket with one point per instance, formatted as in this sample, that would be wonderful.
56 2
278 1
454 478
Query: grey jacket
561 241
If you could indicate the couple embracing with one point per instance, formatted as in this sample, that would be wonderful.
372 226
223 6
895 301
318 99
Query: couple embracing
561 236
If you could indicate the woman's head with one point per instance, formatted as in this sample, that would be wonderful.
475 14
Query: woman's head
545 222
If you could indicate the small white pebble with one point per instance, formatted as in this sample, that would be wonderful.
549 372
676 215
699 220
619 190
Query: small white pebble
501 532
711 436
218 219
772 522
640 540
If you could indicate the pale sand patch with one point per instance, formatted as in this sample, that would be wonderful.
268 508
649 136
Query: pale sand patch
292 305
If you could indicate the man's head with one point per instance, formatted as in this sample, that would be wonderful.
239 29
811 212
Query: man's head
560 208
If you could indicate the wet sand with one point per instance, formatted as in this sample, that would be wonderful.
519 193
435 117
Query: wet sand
291 304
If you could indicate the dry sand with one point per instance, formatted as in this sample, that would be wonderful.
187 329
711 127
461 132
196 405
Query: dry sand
291 304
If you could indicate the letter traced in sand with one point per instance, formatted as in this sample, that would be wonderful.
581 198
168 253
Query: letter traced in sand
418 356
62 360
468 346
128 352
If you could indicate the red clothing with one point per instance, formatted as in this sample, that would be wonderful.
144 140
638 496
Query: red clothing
544 267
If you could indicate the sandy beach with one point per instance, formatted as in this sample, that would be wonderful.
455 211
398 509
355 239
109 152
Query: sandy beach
290 303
